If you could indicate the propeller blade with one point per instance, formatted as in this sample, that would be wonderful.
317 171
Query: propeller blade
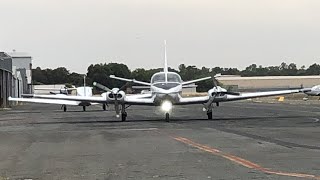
98 85
208 104
125 86
116 106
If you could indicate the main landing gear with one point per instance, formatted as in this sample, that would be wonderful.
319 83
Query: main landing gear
209 114
209 111
123 113
64 108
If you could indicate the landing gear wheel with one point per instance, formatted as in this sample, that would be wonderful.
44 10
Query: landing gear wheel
104 107
209 114
167 117
84 108
64 108
123 116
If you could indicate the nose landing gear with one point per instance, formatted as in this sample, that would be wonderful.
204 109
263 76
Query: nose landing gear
167 117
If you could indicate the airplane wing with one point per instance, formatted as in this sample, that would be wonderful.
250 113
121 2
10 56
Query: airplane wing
193 100
130 80
230 97
46 101
242 96
139 100
93 99
196 80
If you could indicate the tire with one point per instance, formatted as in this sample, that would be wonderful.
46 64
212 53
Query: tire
104 107
167 117
209 114
64 108
84 108
123 116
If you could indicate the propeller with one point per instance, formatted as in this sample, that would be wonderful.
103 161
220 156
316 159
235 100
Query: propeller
114 93
217 91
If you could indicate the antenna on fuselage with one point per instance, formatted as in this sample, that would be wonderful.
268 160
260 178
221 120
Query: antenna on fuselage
165 69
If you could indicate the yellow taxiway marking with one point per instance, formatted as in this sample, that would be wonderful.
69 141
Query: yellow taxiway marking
241 161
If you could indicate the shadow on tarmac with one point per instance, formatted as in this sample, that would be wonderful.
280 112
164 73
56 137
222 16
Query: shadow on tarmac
176 120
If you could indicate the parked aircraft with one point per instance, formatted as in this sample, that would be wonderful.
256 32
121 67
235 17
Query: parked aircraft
314 91
58 94
165 91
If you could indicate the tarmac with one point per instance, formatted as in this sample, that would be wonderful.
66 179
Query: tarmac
245 140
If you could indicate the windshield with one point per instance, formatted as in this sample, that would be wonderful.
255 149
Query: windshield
160 78
173 77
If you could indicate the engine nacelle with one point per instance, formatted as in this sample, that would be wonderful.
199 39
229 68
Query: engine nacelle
112 96
217 92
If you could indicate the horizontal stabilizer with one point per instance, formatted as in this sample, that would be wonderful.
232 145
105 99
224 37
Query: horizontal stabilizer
130 80
196 80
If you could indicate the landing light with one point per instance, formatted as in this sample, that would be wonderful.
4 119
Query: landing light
166 106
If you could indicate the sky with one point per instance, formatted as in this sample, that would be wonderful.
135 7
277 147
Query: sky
210 33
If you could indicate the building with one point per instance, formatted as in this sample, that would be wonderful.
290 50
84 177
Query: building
269 82
22 63
6 79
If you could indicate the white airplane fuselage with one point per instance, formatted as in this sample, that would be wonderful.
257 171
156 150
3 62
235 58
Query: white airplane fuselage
166 86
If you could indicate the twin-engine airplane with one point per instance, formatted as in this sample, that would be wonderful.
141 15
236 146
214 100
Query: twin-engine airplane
165 91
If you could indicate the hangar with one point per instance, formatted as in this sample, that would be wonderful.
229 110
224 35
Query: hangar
269 82
15 76
6 79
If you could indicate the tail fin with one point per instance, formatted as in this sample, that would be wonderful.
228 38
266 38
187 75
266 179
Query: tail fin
165 69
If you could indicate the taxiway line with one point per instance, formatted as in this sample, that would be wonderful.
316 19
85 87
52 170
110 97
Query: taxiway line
241 161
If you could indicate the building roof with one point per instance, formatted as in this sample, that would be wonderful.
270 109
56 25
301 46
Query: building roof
4 55
266 77
19 55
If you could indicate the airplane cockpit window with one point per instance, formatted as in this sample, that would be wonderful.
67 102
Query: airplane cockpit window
160 77
172 77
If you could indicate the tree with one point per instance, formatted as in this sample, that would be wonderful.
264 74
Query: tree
38 76
100 73
314 69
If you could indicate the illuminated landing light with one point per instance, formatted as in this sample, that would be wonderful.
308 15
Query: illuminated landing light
166 106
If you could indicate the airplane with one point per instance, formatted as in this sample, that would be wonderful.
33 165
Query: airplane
166 91
83 91
314 91
58 99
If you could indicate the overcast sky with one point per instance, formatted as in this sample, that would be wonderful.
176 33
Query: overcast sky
227 33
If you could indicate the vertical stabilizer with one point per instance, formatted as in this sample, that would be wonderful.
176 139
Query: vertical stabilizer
165 69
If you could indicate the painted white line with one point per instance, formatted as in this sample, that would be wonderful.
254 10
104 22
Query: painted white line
270 108
141 129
